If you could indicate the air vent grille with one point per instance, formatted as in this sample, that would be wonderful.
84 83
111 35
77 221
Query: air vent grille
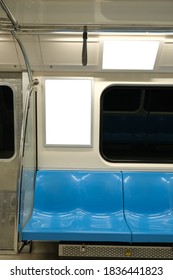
78 250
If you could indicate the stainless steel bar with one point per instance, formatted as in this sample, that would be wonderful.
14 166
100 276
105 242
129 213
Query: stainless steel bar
41 28
24 55
13 32
9 15
100 28
30 89
21 150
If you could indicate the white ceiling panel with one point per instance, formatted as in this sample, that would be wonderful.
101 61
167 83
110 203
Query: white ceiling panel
91 11
32 47
8 54
135 11
53 11
68 53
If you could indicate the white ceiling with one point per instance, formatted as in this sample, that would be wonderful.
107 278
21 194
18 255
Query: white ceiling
92 11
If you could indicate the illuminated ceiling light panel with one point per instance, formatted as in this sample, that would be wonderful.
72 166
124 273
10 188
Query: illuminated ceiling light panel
129 55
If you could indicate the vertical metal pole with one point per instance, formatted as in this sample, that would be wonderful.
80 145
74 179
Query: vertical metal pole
32 84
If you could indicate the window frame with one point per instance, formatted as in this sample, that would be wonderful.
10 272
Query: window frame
132 160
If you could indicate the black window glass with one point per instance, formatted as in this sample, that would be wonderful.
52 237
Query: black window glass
7 146
142 132
159 100
122 100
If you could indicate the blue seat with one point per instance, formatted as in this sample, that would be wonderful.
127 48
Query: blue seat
148 206
77 206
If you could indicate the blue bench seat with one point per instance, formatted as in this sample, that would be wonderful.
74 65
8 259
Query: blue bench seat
148 206
78 206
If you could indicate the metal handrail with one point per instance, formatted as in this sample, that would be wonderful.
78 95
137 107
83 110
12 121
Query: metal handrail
29 91
10 15
24 55
16 27
32 29
30 88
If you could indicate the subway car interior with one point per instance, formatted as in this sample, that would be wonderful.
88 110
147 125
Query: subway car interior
86 129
